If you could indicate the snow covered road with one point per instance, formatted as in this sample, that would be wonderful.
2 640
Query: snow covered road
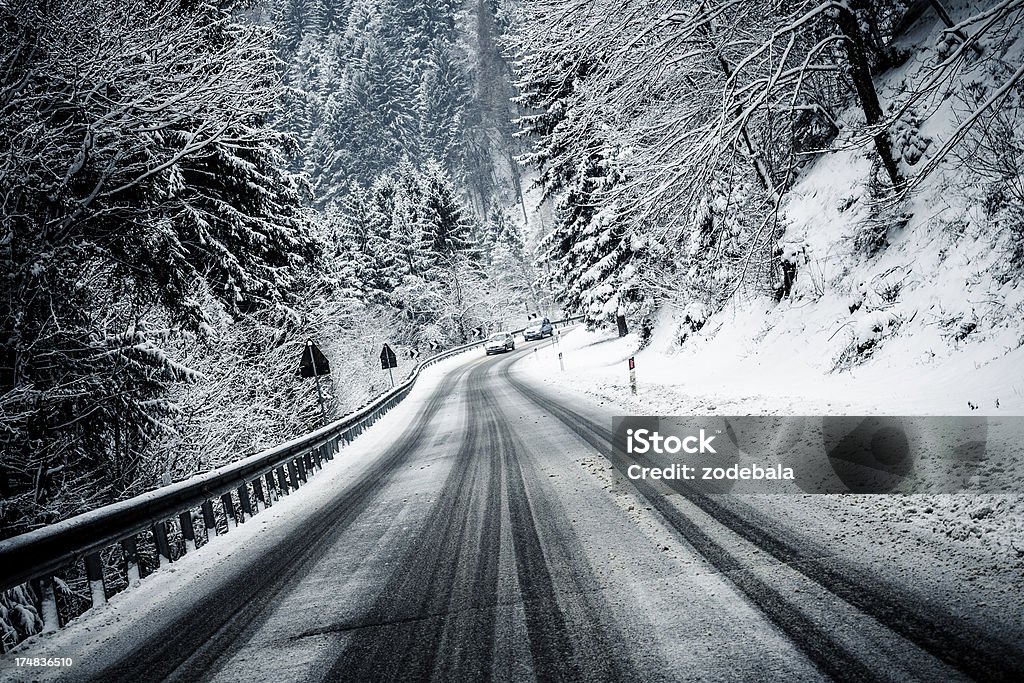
489 534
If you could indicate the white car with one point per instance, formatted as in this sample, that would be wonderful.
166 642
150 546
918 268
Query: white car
499 342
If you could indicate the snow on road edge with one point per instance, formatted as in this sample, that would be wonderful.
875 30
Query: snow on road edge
966 539
164 588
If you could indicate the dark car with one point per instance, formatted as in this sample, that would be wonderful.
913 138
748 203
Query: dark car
499 342
539 331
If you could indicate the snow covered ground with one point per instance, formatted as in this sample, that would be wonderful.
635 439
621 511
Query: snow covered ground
977 538
751 368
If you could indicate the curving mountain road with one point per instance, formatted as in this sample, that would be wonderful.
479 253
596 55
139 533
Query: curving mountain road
494 537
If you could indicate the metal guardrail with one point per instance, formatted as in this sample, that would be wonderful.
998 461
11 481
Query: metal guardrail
38 555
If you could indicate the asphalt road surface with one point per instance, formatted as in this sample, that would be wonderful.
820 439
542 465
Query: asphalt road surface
495 538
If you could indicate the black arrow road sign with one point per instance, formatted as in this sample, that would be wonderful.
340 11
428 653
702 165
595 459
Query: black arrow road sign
314 362
388 359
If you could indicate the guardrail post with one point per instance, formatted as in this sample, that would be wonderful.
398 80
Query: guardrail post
284 482
163 548
293 474
257 492
94 574
271 491
48 604
244 502
209 520
188 531
229 510
130 552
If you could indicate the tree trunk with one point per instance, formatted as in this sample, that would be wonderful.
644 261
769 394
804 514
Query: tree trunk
948 21
861 74
764 175
620 321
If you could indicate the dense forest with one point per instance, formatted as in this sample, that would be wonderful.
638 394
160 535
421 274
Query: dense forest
192 188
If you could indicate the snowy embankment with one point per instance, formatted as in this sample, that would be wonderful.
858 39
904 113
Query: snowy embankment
929 325
921 539
913 305
753 364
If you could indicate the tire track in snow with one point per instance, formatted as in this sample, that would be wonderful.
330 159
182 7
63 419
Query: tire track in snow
400 637
589 647
979 657
190 646
437 617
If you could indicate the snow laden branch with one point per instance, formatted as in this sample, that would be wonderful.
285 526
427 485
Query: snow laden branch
704 104
668 134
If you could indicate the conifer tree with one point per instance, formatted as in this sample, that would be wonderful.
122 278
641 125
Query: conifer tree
447 226
141 214
442 100
293 19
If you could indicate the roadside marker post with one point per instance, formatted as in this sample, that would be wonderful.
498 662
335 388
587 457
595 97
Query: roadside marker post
632 375
561 363
319 393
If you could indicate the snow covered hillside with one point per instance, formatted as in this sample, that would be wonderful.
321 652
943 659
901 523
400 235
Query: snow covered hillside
904 302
